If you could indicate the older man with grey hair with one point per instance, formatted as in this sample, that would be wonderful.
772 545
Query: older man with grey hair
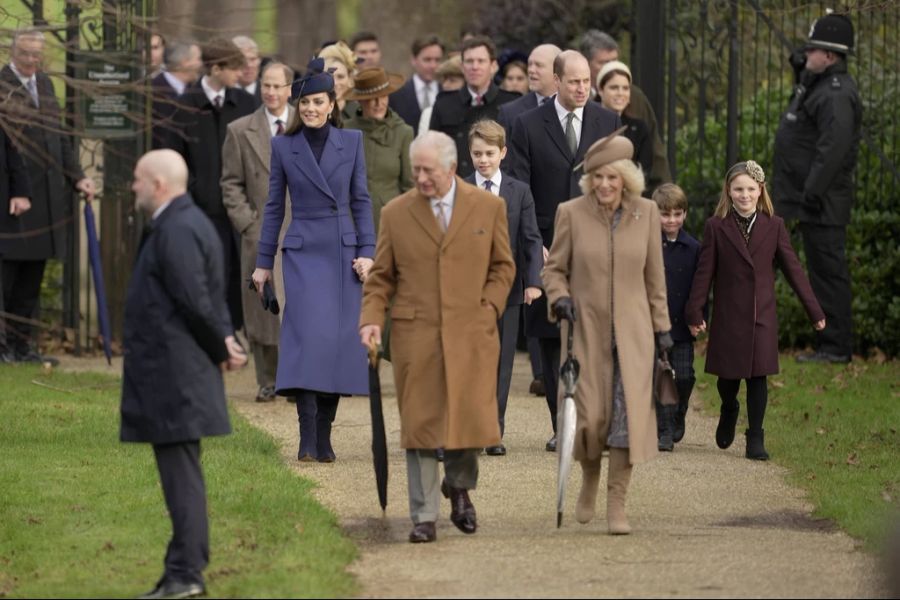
181 67
443 267
248 80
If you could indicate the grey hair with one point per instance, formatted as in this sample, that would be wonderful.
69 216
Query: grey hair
443 143
29 33
593 40
244 43
176 52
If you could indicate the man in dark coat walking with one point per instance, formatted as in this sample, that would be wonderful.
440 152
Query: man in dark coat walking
182 68
178 339
454 113
546 145
15 192
816 147
204 112
421 90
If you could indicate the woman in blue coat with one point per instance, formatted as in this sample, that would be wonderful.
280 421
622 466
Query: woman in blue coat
327 251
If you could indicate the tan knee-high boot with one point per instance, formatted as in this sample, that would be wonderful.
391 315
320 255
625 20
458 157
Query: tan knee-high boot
590 482
617 487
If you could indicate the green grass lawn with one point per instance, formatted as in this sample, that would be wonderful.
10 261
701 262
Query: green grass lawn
836 428
82 515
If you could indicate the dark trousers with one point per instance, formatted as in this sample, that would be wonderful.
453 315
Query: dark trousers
231 245
757 398
508 327
185 493
550 349
21 297
534 355
829 275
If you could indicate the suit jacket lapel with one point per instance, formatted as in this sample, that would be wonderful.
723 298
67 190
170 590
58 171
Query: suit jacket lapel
734 235
332 155
260 137
554 129
306 161
420 209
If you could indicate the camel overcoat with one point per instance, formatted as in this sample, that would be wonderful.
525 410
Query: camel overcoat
448 291
616 280
743 331
246 155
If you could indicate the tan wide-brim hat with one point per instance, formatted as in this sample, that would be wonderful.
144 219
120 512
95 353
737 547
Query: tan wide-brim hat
607 150
374 82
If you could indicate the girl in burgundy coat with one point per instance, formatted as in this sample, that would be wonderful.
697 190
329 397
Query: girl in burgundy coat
742 244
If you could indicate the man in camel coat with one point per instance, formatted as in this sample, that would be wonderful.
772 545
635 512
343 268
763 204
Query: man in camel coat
444 267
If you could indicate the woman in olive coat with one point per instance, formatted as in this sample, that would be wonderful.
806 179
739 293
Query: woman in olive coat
386 137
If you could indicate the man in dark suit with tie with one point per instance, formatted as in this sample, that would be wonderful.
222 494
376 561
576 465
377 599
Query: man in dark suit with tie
204 112
454 113
32 117
421 90
541 85
183 63
547 143
487 145
178 339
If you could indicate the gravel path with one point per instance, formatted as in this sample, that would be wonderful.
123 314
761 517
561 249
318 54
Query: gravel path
707 522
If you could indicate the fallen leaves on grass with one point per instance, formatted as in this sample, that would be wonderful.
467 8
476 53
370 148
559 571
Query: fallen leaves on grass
853 459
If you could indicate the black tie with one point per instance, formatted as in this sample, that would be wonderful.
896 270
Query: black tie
217 101
487 185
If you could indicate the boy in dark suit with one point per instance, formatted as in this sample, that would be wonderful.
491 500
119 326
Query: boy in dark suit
680 254
487 147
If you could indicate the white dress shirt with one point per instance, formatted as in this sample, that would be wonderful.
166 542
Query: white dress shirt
211 93
161 208
495 181
250 89
425 89
26 81
177 84
475 95
563 113
448 201
273 128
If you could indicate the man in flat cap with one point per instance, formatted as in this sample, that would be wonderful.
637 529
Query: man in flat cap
816 148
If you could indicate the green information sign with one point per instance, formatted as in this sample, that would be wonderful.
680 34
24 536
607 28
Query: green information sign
108 105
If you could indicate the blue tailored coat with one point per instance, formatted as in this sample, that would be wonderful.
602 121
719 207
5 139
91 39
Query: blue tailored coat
331 225
680 258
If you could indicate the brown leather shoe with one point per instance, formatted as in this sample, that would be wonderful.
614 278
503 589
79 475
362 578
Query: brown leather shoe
537 387
462 511
423 533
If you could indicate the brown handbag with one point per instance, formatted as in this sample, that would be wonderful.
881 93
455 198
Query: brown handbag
664 391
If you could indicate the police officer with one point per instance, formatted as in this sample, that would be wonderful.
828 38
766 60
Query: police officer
816 148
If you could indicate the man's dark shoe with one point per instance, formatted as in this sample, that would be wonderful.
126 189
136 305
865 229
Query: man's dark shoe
550 446
727 422
266 393
175 589
495 450
537 387
439 454
823 357
31 356
462 512
423 533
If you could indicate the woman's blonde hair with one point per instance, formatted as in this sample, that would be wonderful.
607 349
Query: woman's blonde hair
631 175
341 53
754 172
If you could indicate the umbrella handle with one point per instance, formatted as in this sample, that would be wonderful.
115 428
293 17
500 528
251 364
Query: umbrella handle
374 353
569 339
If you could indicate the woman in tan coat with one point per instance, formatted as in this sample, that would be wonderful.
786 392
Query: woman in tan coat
605 277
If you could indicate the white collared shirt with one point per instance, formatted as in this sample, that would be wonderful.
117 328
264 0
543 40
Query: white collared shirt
563 113
160 210
495 181
448 201
422 88
211 93
21 77
250 89
475 95
273 128
177 84
540 99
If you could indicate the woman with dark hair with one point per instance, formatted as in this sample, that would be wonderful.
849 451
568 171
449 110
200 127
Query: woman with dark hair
327 251
514 77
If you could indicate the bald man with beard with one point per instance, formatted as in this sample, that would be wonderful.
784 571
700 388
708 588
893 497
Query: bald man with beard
178 340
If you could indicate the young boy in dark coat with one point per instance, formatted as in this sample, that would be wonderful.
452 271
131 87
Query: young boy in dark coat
680 254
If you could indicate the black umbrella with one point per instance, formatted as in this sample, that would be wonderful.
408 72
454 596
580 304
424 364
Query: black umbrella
93 246
566 418
379 440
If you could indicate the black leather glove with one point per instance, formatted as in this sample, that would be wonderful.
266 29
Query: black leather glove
564 308
664 341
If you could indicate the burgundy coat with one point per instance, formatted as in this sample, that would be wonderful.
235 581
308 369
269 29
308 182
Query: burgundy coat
743 333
